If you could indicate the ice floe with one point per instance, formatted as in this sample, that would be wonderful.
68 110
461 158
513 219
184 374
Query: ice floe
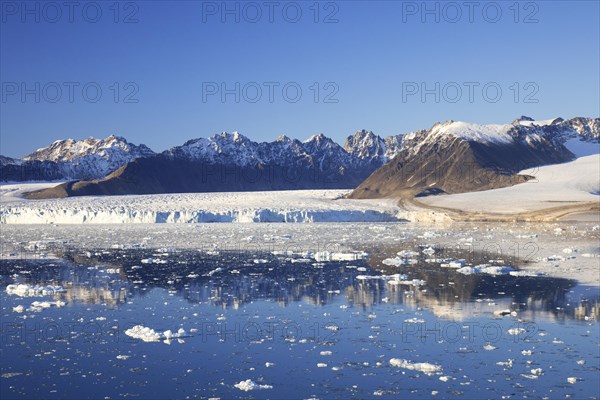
398 261
485 269
150 335
332 256
38 306
425 367
25 290
249 385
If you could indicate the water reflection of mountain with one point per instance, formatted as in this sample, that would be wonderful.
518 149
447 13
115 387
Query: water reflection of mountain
233 279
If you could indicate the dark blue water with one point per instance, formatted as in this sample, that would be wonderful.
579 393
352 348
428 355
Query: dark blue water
240 315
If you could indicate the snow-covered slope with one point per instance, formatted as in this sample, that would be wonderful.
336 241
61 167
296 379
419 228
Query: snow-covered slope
556 185
457 157
282 206
487 134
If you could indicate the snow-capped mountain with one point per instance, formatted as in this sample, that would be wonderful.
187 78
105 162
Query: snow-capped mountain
434 159
231 161
94 159
318 150
115 150
70 159
455 157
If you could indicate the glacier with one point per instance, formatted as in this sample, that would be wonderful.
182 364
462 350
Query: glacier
236 207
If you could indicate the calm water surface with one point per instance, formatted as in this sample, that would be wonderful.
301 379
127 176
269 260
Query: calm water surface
302 328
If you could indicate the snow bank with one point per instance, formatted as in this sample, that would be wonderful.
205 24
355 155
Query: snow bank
571 183
245 207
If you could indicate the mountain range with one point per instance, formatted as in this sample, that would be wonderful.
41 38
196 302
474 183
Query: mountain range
284 163
449 157
457 157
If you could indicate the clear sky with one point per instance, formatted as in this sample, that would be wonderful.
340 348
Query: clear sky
373 58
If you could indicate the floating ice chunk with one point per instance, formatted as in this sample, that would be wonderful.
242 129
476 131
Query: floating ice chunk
407 253
489 347
150 335
367 277
153 261
321 365
398 261
424 367
329 256
414 282
214 271
429 235
507 364
24 290
526 352
485 269
414 321
122 357
18 309
516 331
144 333
429 251
468 270
326 353
453 263
525 273
497 270
572 380
38 306
537 371
396 278
260 261
249 385
502 313
269 364
444 378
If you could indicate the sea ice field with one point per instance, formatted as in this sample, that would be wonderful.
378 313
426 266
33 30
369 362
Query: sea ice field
385 310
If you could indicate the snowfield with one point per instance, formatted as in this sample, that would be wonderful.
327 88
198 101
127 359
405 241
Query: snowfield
281 206
555 185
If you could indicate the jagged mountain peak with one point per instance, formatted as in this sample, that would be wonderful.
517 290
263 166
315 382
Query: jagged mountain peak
319 138
522 118
283 139
70 149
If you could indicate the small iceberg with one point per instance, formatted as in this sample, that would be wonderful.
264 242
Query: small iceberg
249 385
424 367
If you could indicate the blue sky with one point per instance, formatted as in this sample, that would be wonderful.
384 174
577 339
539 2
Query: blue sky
375 61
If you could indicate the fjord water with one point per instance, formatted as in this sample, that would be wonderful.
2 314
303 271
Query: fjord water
299 328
